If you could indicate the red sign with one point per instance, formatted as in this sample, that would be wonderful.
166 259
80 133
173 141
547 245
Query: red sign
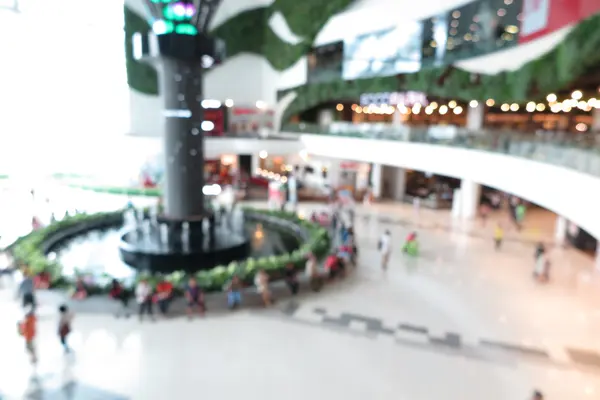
216 116
542 17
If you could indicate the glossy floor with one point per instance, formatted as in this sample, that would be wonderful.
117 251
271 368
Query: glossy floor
461 322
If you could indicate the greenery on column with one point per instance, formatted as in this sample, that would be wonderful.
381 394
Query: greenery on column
552 72
246 32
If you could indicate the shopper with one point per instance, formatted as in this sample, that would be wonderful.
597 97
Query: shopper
164 295
291 278
498 236
194 297
26 291
143 296
261 281
64 326
385 248
537 395
27 329
234 292
120 294
312 273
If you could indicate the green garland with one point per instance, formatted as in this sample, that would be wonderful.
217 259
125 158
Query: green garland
554 71
246 32
28 251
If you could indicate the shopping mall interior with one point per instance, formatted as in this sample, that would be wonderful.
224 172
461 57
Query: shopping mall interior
197 187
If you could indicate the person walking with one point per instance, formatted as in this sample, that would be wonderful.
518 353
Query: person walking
64 326
27 329
120 294
498 236
385 248
26 291
312 273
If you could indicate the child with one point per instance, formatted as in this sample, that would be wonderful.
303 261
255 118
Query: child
234 292
27 329
64 326
498 236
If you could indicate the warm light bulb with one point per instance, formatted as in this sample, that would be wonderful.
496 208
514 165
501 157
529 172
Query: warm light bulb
514 107
490 102
577 95
551 98
458 110
443 110
474 103
530 106
540 107
505 107
339 107
452 104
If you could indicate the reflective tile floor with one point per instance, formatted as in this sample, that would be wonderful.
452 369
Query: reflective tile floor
461 322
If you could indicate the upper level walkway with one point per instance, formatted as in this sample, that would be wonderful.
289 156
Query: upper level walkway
553 171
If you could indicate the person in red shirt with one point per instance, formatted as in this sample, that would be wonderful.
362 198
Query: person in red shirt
332 264
164 293
27 329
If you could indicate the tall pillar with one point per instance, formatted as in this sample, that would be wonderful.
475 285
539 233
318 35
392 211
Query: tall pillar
595 120
325 118
560 233
470 193
183 139
254 164
376 180
475 117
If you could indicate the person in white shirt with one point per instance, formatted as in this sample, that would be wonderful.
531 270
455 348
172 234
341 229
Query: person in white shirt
385 248
143 296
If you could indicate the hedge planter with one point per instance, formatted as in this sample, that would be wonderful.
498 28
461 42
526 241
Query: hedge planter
32 249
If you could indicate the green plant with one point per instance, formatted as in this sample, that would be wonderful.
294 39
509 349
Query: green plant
140 76
28 251
554 71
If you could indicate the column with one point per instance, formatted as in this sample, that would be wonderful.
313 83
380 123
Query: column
376 180
475 117
470 193
183 139
595 120
560 233
254 164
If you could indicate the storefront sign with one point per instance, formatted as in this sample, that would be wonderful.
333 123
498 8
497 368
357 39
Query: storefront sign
394 98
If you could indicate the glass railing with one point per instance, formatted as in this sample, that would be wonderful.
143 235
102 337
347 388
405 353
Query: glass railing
576 151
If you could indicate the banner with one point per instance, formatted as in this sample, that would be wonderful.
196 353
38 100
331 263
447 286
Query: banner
542 17
387 52
325 63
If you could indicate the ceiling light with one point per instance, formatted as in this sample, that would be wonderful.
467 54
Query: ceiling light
228 103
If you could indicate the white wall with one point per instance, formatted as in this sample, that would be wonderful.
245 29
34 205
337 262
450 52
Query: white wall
566 192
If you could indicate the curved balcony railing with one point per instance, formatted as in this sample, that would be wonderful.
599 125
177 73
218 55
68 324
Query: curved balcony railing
576 151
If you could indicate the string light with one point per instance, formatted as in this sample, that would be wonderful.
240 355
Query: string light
577 95
474 103
458 110
551 98
339 107
490 102
452 104
433 105
530 106
540 107
443 110
505 107
429 111
514 107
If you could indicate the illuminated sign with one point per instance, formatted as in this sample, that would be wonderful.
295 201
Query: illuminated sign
394 98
